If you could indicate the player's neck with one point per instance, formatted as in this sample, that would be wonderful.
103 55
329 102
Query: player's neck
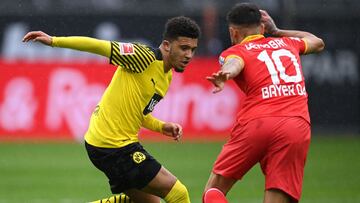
248 32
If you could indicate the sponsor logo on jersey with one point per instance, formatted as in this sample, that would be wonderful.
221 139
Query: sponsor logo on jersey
126 48
152 103
138 157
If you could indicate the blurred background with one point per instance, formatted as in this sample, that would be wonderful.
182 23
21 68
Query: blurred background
47 95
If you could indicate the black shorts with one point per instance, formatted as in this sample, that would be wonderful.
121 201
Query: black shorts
127 167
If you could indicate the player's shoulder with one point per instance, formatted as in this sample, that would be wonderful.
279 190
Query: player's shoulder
232 49
131 48
155 52
134 57
143 46
291 39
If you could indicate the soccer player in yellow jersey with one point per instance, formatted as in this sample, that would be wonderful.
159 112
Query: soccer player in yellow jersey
141 80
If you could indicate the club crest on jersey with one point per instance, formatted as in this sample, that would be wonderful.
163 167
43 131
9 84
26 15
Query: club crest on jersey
126 48
138 157
152 103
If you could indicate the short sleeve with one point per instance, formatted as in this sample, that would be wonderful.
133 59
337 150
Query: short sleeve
298 43
229 53
132 56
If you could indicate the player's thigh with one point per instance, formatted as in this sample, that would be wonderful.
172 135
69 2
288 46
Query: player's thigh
161 184
289 146
220 182
138 196
285 161
129 167
246 147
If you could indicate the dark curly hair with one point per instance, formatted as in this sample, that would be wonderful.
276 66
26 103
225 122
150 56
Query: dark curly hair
181 26
246 14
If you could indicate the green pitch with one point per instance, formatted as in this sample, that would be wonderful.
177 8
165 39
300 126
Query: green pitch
61 172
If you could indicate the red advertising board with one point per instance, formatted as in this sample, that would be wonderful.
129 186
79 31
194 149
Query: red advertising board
41 100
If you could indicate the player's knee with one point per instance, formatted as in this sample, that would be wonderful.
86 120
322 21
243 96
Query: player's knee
214 195
178 194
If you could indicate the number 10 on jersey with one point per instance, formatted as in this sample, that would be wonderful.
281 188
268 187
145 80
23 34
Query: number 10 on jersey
277 69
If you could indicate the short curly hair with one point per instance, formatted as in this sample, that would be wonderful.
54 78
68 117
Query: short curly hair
245 14
181 26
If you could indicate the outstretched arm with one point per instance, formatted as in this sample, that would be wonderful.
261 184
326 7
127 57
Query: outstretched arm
92 45
231 68
314 44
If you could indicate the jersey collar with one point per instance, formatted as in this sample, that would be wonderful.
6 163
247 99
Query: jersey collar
252 38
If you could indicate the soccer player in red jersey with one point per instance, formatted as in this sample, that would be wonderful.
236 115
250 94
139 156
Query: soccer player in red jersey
273 126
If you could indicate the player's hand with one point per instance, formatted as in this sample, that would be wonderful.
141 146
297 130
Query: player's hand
270 26
218 80
38 36
173 130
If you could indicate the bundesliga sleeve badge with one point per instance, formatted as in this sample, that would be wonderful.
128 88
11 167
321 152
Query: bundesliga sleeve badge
126 48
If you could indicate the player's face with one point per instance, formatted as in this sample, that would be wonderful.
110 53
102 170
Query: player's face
181 52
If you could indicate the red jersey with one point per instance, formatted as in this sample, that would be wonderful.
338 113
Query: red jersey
272 77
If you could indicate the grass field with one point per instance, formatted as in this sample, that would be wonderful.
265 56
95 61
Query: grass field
61 172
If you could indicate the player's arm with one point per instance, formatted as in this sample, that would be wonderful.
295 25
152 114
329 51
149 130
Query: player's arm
133 57
230 69
313 43
87 44
173 130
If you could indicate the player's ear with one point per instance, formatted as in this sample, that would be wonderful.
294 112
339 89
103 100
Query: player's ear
166 45
262 28
233 32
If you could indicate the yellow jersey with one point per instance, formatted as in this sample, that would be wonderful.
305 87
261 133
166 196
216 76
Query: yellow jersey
138 84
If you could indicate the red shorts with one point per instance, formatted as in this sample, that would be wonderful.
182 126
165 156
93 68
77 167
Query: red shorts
279 144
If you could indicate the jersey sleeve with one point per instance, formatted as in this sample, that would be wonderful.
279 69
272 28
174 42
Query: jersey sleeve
227 54
131 56
152 123
87 44
298 44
